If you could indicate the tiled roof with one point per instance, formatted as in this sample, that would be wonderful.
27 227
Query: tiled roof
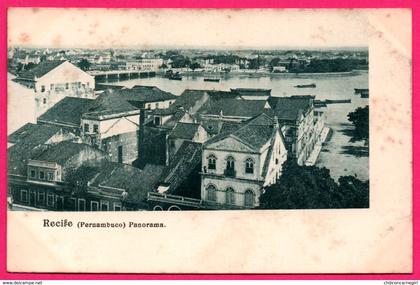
63 152
28 141
189 98
137 183
255 133
185 131
235 107
290 108
41 69
114 101
68 111
185 161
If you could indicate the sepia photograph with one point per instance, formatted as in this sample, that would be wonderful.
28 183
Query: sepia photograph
111 125
221 141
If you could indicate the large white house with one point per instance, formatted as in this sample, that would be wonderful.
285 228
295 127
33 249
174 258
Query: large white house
54 80
237 165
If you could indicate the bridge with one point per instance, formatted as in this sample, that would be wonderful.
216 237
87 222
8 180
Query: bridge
120 75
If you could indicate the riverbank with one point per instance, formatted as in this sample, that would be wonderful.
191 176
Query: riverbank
254 74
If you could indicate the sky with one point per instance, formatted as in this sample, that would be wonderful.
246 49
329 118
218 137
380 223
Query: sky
215 28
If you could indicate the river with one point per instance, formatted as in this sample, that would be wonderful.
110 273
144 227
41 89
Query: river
339 155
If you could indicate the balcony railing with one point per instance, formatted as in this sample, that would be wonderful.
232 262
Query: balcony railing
230 172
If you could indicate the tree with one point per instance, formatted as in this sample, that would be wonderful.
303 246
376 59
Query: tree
360 119
84 64
194 65
310 187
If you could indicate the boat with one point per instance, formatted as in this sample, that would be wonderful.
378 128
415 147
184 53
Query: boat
339 101
212 79
360 90
312 85
364 94
175 77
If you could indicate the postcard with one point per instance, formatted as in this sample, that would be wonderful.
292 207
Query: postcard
209 140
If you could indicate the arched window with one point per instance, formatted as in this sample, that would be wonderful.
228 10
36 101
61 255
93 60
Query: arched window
249 165
230 163
211 161
249 198
211 193
230 196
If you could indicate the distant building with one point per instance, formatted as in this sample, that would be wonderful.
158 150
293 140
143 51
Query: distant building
145 64
279 69
237 165
54 80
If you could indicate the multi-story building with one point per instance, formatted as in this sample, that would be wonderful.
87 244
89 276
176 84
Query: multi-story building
237 165
296 117
54 80
145 64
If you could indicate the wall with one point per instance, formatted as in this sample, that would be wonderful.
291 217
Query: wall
238 186
21 108
112 127
128 141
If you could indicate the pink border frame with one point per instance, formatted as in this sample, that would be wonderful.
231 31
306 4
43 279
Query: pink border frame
412 4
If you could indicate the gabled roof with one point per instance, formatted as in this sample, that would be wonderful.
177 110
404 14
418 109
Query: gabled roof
68 111
41 69
63 151
255 133
185 131
235 107
28 141
189 98
290 108
185 161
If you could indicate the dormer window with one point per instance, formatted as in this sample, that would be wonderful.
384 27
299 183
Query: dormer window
211 162
249 166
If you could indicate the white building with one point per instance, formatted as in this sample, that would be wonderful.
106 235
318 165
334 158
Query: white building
54 80
237 165
145 64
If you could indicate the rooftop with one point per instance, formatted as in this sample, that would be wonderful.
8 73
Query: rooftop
235 107
185 131
41 69
68 111
290 108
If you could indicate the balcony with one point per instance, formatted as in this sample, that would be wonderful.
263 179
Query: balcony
230 172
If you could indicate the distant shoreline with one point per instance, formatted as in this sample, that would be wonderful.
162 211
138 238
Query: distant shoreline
265 74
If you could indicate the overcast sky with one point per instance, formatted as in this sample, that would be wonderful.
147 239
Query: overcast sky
149 28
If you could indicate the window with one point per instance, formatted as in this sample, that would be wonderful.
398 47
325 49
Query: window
41 175
249 198
95 128
79 84
24 195
82 205
41 197
94 206
148 106
157 121
117 206
156 105
211 193
230 196
59 200
230 163
33 173
120 154
44 101
249 166
51 86
50 200
67 86
277 161
211 161
73 205
50 176
42 88
86 128
104 205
